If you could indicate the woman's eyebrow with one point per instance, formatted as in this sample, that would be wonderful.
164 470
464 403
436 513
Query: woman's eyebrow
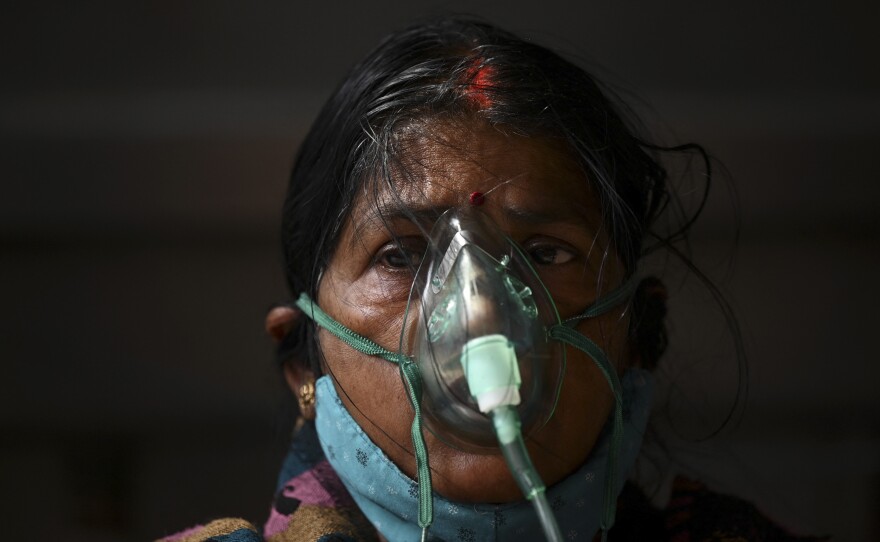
425 215
542 216
383 215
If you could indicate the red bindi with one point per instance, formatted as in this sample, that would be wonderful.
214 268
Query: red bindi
477 198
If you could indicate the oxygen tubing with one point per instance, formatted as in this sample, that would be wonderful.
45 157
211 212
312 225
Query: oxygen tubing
507 427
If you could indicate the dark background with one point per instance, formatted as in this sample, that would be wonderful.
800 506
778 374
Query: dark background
144 152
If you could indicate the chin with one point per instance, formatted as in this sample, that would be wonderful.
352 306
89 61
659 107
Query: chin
473 478
476 478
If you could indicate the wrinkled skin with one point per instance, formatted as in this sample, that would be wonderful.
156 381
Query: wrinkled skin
541 199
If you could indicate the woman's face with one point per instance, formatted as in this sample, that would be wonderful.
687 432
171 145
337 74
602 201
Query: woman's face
541 199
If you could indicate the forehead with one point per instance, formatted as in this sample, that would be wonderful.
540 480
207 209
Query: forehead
439 165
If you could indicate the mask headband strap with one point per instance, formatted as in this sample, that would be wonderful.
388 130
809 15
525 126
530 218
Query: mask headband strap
566 333
606 303
349 337
413 379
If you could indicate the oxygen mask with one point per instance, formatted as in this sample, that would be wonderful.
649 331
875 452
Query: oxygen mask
482 355
478 332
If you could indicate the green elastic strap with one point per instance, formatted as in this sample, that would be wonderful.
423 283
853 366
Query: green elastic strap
349 337
565 332
568 335
411 376
413 379
603 305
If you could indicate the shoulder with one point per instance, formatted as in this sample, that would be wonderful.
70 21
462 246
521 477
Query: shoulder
696 514
221 530
310 504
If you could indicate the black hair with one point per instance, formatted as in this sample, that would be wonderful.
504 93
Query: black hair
463 69
455 67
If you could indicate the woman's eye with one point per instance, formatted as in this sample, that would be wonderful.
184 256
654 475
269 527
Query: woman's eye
394 256
550 255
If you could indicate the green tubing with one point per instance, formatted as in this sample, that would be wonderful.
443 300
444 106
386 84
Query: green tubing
507 427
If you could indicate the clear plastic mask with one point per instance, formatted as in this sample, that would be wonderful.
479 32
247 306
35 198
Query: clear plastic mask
477 289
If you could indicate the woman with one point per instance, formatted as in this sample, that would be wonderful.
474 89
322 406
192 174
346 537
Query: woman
458 152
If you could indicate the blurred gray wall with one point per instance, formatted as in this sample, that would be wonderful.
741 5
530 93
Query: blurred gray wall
144 151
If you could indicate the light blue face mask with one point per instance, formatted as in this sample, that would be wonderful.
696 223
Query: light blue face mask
482 363
389 498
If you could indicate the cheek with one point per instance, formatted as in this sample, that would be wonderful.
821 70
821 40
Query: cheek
585 401
584 404
586 397
365 306
369 386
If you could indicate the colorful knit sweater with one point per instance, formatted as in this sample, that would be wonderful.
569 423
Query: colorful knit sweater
311 504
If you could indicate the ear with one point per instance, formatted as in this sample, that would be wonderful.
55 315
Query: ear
632 355
301 382
648 337
280 320
297 376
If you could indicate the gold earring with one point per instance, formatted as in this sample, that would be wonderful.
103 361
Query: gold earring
306 400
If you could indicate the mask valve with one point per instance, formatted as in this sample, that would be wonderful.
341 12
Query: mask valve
492 371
